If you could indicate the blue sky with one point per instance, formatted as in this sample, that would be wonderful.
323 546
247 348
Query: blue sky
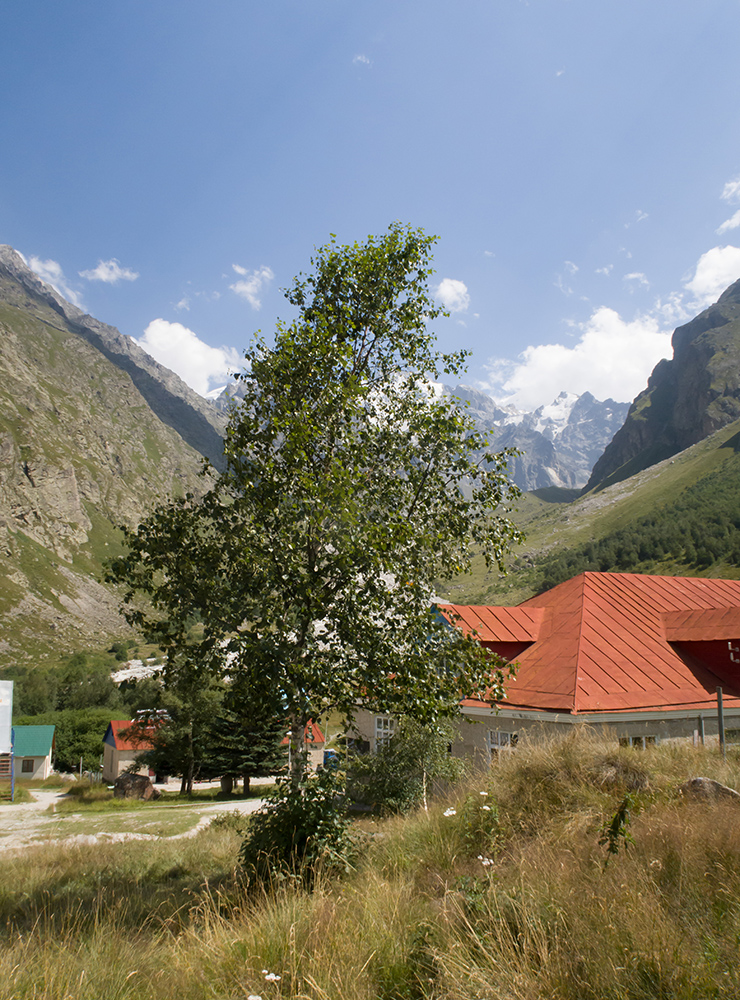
171 164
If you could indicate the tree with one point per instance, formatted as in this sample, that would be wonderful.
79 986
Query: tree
350 489
400 775
244 740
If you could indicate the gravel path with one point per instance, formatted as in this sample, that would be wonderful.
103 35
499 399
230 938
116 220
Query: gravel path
31 823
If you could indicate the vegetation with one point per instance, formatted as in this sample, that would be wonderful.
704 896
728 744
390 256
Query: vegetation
699 529
498 895
402 774
311 559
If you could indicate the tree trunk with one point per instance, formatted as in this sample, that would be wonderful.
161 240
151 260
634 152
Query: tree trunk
297 750
227 784
246 790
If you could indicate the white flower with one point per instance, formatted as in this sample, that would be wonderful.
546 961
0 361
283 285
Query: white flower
485 861
254 996
483 793
271 977
450 812
486 808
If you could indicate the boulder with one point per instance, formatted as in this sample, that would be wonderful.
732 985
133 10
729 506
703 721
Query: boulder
134 786
708 789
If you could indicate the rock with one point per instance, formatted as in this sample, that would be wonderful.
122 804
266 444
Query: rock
134 786
708 789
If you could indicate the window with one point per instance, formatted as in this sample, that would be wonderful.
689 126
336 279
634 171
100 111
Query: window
500 741
27 765
385 726
638 741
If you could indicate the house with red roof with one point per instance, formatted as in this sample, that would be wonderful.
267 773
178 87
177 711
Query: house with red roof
641 656
314 742
120 749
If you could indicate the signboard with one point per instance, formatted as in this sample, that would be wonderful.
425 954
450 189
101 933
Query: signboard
6 715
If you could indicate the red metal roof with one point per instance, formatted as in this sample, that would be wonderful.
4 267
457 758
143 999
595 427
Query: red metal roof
311 734
116 735
609 642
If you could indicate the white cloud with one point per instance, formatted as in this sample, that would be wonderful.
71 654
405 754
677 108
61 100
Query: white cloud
362 60
731 191
51 272
732 223
184 303
640 216
253 283
612 358
109 271
453 294
179 349
606 270
638 277
715 270
570 267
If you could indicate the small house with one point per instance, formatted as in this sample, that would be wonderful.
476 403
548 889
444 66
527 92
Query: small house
120 749
33 749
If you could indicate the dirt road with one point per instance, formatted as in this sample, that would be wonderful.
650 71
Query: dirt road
30 823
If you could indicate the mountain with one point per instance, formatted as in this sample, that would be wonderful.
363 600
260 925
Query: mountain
559 443
686 399
92 432
677 517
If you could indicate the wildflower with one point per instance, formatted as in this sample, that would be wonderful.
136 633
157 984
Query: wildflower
486 808
254 996
483 793
271 977
485 861
450 812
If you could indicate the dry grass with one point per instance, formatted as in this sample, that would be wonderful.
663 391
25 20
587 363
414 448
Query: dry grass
423 916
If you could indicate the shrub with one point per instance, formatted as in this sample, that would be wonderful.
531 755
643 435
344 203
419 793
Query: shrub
300 829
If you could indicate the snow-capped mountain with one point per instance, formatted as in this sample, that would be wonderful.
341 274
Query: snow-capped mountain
560 442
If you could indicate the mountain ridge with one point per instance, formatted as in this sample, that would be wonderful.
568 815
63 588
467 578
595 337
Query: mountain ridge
687 398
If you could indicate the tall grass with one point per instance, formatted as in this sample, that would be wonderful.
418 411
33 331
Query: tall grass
501 895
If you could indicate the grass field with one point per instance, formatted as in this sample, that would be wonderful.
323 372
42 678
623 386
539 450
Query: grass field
507 895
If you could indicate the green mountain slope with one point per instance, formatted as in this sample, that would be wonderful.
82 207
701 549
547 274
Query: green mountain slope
680 516
92 432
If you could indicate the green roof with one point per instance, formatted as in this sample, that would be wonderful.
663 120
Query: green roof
32 741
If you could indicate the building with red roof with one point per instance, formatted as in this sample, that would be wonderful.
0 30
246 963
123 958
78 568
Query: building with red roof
641 656
120 749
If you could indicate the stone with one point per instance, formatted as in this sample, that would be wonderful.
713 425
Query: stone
708 789
134 786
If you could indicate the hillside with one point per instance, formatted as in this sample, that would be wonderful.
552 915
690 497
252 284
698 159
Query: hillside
92 432
677 517
686 399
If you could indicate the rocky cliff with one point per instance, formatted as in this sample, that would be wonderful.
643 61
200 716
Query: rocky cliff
686 399
92 432
559 442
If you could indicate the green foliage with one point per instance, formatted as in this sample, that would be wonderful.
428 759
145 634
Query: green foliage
400 775
699 529
301 829
79 733
617 830
244 739
346 497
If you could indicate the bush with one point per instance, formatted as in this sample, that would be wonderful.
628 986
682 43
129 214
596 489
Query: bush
399 776
299 830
